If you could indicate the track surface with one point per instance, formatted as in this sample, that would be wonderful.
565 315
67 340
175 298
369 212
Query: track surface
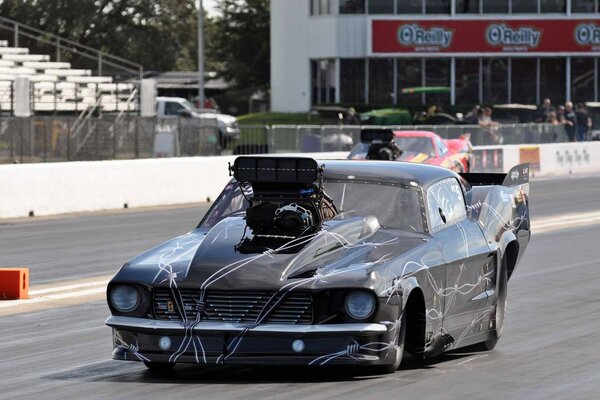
549 349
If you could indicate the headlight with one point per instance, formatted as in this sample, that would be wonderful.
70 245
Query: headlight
360 304
124 298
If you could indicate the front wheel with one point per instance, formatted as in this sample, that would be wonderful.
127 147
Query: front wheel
391 368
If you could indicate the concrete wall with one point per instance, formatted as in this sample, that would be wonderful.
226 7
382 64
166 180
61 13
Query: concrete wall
58 188
554 158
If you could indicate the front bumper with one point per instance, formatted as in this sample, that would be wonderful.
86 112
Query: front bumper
235 343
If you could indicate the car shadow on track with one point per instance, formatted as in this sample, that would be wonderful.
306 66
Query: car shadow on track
112 371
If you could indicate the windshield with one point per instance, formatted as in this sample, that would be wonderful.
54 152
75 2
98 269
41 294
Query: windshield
410 145
394 206
188 105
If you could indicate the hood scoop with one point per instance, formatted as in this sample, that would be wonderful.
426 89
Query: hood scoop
337 236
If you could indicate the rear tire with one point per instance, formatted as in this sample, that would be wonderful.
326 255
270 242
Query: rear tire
500 308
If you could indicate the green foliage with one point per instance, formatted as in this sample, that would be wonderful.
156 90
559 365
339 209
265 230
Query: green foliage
272 118
159 34
240 41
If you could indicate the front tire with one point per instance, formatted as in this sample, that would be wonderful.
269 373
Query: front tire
391 368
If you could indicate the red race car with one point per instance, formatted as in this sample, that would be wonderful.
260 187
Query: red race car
414 146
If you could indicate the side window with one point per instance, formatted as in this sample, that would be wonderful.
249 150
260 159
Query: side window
445 204
172 108
441 147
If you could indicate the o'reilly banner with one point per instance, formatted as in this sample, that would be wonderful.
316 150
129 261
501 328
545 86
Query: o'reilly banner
484 36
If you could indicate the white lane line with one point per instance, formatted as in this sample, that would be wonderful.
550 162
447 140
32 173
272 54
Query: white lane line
42 299
471 359
565 221
65 288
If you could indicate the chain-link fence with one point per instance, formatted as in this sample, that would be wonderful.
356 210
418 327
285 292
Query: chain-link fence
45 139
315 138
61 138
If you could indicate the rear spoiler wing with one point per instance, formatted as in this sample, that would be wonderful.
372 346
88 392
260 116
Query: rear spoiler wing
518 175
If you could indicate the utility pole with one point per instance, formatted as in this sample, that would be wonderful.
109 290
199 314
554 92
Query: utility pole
200 54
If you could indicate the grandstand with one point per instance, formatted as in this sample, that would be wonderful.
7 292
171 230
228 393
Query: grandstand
56 87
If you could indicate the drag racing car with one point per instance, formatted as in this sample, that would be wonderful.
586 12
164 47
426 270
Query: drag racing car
328 263
414 146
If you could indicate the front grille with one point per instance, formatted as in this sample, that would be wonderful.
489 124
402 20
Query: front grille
235 306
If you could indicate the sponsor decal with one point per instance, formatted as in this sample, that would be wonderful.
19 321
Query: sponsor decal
393 36
587 34
415 35
503 35
531 155
514 175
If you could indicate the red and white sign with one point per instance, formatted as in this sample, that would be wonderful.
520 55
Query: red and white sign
484 36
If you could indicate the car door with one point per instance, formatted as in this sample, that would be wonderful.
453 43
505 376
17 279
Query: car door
466 253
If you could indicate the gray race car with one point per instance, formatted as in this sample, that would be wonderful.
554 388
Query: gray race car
328 263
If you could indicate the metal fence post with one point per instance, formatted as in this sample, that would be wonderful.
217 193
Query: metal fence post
136 138
12 139
16 35
45 141
68 142
115 138
21 145
97 140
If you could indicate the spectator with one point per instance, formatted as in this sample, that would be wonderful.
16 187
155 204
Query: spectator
560 114
472 117
584 123
553 119
485 120
570 121
544 110
486 117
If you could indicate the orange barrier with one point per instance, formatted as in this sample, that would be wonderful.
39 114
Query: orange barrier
14 283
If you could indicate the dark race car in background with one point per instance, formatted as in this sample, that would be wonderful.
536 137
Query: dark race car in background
414 146
328 263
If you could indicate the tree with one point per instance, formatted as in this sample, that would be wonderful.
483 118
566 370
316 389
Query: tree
240 41
159 34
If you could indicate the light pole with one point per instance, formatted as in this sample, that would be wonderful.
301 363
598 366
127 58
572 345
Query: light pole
200 54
